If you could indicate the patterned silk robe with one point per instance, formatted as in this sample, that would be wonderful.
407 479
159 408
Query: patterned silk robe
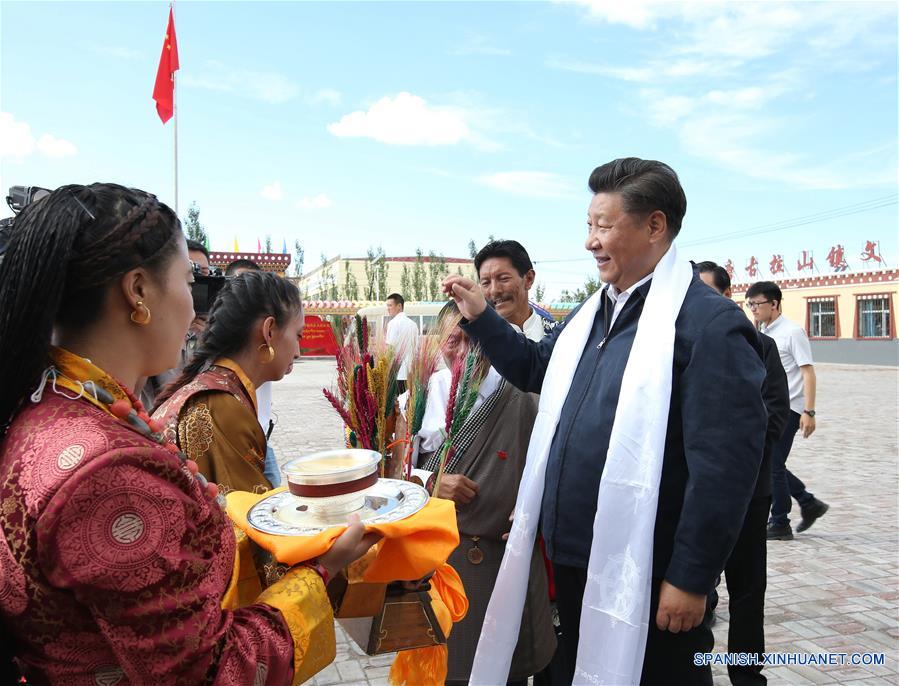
213 420
114 563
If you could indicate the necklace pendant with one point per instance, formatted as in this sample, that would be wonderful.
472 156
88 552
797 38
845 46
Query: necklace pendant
475 554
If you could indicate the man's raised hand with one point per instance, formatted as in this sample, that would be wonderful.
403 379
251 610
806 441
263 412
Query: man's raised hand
467 295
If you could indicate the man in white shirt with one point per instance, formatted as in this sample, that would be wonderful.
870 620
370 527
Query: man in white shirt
506 274
763 299
402 333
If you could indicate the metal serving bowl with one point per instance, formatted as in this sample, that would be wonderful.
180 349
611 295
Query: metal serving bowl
334 481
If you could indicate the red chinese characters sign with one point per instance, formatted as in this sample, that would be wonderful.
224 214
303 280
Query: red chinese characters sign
318 338
753 267
872 252
836 258
776 265
807 261
729 268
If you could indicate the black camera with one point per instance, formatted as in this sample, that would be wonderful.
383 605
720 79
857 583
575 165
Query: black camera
19 197
205 288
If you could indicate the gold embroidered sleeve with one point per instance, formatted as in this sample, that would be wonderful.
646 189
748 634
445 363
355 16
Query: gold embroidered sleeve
303 601
195 431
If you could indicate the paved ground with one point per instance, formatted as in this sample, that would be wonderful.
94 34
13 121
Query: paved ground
835 588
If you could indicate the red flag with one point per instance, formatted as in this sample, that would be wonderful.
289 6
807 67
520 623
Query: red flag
164 90
258 245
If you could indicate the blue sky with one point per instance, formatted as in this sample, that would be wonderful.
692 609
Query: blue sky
419 124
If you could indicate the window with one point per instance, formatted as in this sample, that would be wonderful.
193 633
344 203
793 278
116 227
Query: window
822 317
874 316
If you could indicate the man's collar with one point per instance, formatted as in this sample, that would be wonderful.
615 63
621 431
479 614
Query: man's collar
770 325
527 321
613 293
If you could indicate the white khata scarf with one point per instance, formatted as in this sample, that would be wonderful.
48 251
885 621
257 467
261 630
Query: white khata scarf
615 613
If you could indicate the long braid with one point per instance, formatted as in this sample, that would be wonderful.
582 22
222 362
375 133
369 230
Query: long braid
64 252
241 302
32 284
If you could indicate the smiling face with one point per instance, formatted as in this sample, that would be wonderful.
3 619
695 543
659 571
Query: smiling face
506 289
626 246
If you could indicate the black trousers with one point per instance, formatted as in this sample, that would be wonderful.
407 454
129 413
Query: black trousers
669 657
746 576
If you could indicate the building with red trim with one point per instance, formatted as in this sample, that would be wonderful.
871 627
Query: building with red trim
849 317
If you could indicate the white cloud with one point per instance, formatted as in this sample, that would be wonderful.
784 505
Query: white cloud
315 202
748 30
271 87
639 74
477 44
328 96
665 110
15 137
530 183
272 191
51 146
18 142
638 14
407 119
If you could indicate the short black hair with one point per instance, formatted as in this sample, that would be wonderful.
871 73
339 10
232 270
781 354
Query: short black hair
398 299
197 246
719 274
246 265
513 250
645 186
769 289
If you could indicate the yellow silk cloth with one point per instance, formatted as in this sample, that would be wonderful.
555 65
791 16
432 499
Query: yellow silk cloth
412 547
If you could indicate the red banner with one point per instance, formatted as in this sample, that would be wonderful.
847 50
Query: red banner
318 338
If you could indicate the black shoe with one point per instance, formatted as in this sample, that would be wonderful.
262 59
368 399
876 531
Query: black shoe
810 513
780 532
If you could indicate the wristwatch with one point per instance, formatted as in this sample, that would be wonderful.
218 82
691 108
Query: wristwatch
810 413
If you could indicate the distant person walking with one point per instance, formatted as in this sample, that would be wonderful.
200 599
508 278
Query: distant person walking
764 299
402 333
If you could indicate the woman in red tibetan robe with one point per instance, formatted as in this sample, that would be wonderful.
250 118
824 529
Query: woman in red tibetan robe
116 558
252 336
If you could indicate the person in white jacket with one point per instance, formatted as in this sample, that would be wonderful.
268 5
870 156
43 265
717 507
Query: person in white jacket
402 333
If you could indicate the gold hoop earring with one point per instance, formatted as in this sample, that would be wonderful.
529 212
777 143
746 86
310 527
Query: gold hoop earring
145 320
267 353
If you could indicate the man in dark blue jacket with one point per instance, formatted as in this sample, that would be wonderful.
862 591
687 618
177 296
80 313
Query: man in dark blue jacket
716 421
746 570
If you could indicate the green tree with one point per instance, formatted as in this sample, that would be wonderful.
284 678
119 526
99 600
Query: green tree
419 278
268 243
539 292
383 270
376 272
328 289
472 249
350 283
406 281
437 271
300 259
195 230
591 285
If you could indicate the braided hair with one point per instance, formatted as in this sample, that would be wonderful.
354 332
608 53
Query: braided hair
241 302
65 251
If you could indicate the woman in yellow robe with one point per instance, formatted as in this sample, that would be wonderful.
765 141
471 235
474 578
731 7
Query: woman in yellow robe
210 410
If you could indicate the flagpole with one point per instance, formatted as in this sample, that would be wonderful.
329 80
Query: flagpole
175 118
